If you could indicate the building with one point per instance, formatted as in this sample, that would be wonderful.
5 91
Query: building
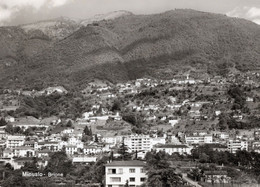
3 134
173 148
71 149
256 146
112 139
92 149
236 145
8 153
138 143
216 177
53 146
24 151
84 159
15 141
118 173
198 139
217 147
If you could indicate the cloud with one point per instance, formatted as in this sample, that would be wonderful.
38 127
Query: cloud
10 10
4 14
253 12
57 3
250 13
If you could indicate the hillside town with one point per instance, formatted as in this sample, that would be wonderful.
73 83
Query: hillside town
182 119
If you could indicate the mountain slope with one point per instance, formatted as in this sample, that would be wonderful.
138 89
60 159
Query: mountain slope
55 29
132 46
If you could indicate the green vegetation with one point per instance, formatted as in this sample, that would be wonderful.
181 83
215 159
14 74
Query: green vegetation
159 171
248 162
69 106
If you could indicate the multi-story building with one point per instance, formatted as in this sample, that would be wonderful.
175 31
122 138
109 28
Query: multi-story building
236 145
199 139
256 146
120 173
173 148
138 143
15 141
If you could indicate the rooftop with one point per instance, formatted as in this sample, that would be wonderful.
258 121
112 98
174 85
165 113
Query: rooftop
127 163
216 172
171 146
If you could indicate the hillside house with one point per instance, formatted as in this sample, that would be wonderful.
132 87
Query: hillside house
92 149
256 146
217 176
24 151
53 146
8 153
57 89
3 134
9 119
27 122
71 149
84 159
43 153
13 141
112 139
235 145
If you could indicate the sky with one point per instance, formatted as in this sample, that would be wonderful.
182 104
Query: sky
16 12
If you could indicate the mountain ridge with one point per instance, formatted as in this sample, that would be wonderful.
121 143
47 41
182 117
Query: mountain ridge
132 46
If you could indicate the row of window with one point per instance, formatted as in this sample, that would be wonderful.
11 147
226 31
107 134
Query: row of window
120 171
131 179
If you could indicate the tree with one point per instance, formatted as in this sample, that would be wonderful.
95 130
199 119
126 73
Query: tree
87 131
96 138
69 124
99 170
123 151
30 166
64 138
159 171
9 129
15 180
59 163
126 184
3 122
157 160
116 106
164 177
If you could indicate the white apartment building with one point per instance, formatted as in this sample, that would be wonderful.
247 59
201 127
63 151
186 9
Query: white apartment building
138 143
118 173
199 139
15 141
236 145
174 148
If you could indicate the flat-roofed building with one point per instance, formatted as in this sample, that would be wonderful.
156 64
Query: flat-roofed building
174 148
199 139
15 141
236 145
118 173
138 143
